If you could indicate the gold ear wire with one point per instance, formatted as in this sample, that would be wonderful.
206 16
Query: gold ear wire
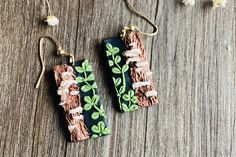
60 52
132 28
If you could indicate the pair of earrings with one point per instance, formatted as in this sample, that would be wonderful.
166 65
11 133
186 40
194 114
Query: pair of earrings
78 90
215 3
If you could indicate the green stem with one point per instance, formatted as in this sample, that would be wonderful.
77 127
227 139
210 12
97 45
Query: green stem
123 80
94 105
129 104
113 58
94 92
123 75
85 77
119 98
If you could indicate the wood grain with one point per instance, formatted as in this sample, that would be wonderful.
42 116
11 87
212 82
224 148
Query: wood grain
193 58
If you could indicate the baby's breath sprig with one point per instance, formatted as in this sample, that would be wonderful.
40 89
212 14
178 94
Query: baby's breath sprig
51 20
219 3
188 2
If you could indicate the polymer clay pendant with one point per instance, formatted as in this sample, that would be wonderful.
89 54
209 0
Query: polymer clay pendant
130 71
78 97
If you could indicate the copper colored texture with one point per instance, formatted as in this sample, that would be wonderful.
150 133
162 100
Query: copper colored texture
143 100
79 130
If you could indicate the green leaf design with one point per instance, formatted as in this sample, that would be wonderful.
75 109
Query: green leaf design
86 66
89 68
133 107
106 131
79 79
101 109
115 50
125 107
87 99
111 50
100 128
116 70
79 69
117 59
85 88
95 129
126 97
108 53
95 99
95 115
125 67
109 47
117 81
127 100
111 63
134 99
90 77
94 85
121 90
91 102
101 125
88 106
131 93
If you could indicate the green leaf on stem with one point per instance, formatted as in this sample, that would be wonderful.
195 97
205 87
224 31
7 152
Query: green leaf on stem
115 70
79 69
125 107
121 90
79 79
126 97
111 63
85 88
90 77
95 115
125 67
117 59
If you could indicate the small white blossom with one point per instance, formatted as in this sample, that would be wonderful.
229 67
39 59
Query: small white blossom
188 2
52 20
219 3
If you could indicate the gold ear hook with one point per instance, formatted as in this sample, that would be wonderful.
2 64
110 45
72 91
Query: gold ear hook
132 28
60 52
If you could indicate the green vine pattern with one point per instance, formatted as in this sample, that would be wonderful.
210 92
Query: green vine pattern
100 129
91 101
127 101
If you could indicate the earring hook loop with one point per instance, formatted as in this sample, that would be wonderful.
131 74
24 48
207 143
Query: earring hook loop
60 52
132 28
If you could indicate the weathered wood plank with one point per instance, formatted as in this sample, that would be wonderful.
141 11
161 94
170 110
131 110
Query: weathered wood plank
196 82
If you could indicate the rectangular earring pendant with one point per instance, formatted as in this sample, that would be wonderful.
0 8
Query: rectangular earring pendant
80 101
131 73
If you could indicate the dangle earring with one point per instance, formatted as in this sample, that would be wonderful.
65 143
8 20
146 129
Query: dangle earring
79 95
129 66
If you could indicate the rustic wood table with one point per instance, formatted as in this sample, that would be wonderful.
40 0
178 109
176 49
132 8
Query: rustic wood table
193 58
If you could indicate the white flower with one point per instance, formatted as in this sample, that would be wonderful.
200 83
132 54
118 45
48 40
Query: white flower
188 2
219 3
52 20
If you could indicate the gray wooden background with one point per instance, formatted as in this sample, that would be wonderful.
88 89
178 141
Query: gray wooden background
193 59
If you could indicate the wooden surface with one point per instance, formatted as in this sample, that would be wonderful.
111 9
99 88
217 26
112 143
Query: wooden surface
193 59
